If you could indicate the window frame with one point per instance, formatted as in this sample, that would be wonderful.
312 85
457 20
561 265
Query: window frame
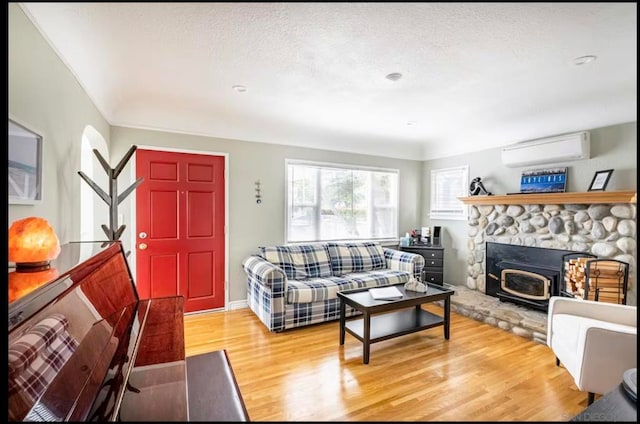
351 167
434 213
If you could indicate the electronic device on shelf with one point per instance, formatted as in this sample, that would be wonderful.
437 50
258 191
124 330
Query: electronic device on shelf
436 236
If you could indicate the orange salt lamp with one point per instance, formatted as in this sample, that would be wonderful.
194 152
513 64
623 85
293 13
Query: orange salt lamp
32 244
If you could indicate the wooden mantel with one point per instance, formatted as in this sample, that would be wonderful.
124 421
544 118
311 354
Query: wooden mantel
578 197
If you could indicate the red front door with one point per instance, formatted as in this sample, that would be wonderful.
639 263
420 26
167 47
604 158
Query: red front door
180 246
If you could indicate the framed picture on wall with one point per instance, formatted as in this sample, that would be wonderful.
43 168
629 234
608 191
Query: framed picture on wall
25 165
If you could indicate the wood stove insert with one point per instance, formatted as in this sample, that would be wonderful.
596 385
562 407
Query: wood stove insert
524 275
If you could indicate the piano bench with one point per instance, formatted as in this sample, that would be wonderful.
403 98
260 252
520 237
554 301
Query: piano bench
214 394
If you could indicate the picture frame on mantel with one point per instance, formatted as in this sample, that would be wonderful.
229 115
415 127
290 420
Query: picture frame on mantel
25 165
600 180
552 180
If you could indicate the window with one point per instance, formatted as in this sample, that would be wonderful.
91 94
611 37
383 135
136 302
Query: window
446 186
340 202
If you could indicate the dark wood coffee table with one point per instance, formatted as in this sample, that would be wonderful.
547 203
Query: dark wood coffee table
386 319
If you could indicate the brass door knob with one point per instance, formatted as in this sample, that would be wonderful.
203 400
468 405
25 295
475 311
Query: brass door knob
142 246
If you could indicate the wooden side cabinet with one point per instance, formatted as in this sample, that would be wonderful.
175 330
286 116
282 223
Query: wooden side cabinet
433 262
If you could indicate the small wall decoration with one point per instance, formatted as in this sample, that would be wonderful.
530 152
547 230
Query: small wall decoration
600 180
258 195
552 180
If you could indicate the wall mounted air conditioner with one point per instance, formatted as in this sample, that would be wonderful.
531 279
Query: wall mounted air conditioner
549 150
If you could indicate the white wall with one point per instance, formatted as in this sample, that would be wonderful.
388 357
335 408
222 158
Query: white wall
611 147
45 97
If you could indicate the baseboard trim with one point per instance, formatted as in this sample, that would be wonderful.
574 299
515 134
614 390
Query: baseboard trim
237 304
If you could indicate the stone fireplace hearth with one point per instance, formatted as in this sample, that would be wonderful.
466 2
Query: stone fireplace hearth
519 320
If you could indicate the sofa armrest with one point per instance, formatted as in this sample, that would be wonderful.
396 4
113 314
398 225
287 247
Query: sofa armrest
266 291
610 312
397 260
600 371
265 273
602 311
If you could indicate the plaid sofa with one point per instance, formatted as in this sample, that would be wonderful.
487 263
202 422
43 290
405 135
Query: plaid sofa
293 286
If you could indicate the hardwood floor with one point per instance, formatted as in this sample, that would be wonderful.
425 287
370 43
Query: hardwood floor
482 373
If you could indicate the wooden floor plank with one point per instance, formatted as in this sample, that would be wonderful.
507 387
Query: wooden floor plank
482 373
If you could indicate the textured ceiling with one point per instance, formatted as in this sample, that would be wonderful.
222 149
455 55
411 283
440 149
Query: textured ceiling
475 75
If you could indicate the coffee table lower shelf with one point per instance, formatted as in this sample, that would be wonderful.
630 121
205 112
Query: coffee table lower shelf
382 320
393 324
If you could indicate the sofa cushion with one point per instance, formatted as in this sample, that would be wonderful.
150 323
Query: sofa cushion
299 262
315 289
355 257
327 288
378 278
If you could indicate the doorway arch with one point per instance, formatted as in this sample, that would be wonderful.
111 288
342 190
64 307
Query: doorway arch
90 203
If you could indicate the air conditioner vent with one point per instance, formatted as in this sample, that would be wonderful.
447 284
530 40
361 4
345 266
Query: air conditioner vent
550 150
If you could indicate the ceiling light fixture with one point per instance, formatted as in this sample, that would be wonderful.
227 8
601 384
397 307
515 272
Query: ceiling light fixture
395 76
239 88
583 60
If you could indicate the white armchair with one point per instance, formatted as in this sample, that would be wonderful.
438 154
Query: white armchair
595 341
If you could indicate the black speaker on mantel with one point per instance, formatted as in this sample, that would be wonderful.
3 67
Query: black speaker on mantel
436 236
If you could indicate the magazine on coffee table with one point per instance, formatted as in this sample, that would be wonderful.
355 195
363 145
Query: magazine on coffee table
385 293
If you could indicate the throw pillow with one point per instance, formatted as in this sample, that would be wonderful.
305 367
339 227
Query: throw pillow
310 261
355 257
299 262
280 257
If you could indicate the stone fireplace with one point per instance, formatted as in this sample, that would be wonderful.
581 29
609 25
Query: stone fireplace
602 224
604 230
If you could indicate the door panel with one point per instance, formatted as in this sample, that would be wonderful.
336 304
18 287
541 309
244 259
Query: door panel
163 225
164 275
200 272
200 173
162 171
201 209
180 205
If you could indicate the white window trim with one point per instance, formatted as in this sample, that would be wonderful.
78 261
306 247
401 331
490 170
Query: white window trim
453 215
287 162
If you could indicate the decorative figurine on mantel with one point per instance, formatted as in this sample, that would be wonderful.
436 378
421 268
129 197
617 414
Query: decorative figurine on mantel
476 188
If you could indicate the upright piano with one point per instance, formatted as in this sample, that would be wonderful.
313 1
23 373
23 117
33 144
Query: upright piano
84 347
